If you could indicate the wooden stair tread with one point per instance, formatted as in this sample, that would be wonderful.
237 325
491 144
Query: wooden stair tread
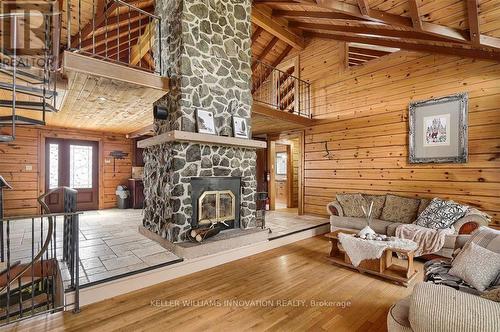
38 301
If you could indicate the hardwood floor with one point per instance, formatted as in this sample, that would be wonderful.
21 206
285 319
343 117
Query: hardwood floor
287 275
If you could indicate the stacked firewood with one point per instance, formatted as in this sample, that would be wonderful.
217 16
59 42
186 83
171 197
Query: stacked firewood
200 234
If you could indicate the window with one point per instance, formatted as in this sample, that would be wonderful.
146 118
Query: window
53 166
80 166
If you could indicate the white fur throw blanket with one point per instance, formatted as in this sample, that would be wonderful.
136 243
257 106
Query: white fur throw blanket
428 240
359 249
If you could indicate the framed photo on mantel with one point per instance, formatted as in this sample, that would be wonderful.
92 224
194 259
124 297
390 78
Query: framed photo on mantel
438 130
205 123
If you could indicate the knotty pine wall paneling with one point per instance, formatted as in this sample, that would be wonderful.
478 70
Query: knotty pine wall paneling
22 164
362 116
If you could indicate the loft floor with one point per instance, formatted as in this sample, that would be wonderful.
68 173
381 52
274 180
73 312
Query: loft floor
280 274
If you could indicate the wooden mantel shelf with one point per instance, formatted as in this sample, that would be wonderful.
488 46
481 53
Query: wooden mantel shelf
185 136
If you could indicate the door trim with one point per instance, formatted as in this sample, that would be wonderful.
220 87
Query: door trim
58 134
272 139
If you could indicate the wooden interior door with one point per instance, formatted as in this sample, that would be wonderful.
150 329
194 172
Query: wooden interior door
74 164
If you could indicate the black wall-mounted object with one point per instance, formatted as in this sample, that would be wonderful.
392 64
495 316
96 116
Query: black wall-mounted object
117 155
160 113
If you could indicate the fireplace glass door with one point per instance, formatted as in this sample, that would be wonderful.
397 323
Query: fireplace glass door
216 207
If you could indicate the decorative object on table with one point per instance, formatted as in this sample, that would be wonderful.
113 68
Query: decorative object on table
281 160
374 257
240 127
438 130
117 154
441 214
205 123
3 185
367 232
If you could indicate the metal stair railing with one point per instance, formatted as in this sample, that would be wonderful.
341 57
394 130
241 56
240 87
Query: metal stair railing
30 73
31 286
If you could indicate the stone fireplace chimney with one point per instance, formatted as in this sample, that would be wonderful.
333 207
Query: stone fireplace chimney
206 53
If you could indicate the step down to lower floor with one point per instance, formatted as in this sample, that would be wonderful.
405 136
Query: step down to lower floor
28 90
28 105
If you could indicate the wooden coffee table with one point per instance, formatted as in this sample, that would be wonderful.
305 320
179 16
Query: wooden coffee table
383 267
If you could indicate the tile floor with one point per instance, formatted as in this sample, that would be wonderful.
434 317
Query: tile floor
110 244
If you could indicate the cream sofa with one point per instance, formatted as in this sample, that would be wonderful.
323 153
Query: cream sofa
441 308
446 303
339 219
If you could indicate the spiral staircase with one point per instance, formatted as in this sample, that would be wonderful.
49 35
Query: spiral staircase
28 75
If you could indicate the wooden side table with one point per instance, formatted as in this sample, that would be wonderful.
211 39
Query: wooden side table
383 267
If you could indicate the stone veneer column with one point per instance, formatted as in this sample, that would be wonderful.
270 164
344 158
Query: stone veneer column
206 52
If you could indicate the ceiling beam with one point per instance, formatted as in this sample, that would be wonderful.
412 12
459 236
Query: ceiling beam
384 17
256 33
276 29
316 14
456 51
473 15
262 55
415 14
368 30
364 7
275 63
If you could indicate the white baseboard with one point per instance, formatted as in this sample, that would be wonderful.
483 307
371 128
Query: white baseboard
145 279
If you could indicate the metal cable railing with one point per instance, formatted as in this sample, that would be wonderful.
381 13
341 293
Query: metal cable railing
280 89
116 31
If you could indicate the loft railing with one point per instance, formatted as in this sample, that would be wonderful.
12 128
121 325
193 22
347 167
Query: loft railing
280 89
116 31
34 276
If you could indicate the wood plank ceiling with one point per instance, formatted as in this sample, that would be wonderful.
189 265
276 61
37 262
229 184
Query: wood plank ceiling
373 28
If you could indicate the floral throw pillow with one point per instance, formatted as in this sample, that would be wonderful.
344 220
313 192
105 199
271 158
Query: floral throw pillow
440 214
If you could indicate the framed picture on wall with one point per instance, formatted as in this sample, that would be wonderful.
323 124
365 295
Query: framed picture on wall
438 130
240 127
205 122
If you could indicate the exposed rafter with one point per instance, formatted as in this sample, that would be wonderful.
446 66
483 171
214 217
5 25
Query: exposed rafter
381 16
316 14
464 52
473 15
268 48
367 30
415 15
282 32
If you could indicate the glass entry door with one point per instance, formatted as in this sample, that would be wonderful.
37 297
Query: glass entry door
73 164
